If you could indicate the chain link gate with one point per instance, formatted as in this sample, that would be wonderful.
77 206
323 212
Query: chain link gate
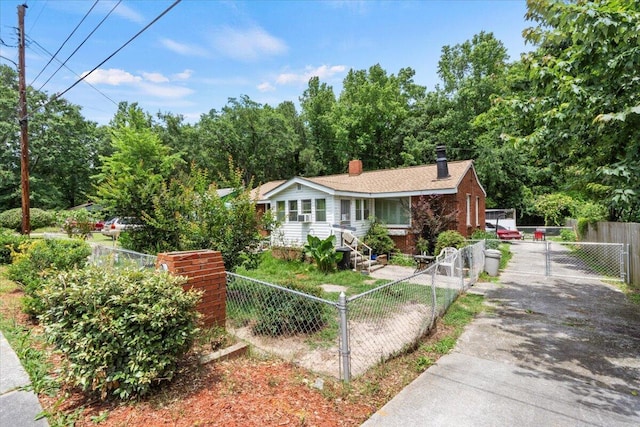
587 260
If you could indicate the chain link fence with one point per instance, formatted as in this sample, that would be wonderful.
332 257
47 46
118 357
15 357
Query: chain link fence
346 337
104 256
587 259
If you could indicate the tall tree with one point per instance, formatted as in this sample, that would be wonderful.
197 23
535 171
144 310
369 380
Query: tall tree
587 71
63 147
140 164
321 155
370 110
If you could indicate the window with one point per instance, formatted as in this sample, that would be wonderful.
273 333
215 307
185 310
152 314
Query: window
477 211
321 210
365 209
306 206
393 211
293 210
468 209
358 210
280 211
345 211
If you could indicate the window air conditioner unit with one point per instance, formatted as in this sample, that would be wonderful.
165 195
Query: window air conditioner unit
304 218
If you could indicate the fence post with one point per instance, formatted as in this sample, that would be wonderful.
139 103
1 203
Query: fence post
547 258
345 355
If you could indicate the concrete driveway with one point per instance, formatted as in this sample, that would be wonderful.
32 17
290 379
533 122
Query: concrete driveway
554 352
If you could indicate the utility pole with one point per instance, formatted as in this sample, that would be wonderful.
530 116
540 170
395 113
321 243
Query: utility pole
22 118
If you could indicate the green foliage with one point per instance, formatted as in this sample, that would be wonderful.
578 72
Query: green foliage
283 313
121 331
323 252
41 259
377 237
449 238
10 242
63 148
189 214
492 241
555 208
38 218
567 235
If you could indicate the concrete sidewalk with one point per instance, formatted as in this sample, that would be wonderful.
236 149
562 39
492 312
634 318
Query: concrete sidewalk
17 407
554 352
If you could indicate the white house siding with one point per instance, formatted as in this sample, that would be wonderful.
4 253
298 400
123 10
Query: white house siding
292 233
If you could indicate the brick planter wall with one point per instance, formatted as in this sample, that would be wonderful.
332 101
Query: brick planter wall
205 271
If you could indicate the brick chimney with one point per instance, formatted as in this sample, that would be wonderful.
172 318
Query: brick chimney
441 162
355 167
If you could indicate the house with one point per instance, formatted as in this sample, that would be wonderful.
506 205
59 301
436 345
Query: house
333 204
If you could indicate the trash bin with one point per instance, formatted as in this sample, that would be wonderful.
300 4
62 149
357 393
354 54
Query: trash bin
345 262
492 261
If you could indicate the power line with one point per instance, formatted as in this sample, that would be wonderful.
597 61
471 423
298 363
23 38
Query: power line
80 45
120 48
58 95
65 42
76 74
44 4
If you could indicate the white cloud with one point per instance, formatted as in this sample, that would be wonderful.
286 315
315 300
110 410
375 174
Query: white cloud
155 77
183 49
323 72
122 10
185 75
112 77
266 87
153 84
248 45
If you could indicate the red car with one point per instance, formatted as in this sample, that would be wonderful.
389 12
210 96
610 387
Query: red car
503 232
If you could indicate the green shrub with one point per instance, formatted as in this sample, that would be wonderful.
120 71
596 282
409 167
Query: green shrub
284 313
567 235
377 238
9 242
40 259
38 218
491 238
449 238
121 331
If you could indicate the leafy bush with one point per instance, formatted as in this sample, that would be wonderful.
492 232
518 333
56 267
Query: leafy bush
40 259
9 243
567 235
121 331
449 238
38 218
284 313
323 252
491 238
377 237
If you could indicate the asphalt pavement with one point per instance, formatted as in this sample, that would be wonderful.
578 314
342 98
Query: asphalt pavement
552 352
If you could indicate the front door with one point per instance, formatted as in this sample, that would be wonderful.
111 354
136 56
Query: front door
345 212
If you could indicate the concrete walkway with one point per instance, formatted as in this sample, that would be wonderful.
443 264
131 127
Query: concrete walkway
554 352
17 407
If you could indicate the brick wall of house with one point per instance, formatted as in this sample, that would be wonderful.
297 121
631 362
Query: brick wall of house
468 185
205 271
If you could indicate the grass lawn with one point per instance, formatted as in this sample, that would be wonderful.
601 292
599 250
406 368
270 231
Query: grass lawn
278 271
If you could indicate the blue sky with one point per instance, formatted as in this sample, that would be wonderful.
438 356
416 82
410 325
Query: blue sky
203 52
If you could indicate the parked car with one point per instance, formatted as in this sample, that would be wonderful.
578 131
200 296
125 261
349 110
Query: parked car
115 226
503 233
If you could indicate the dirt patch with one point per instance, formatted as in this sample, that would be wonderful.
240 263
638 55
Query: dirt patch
371 340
